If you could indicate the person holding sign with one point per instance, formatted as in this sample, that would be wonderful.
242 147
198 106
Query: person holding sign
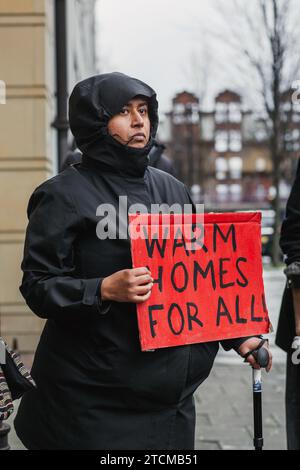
96 388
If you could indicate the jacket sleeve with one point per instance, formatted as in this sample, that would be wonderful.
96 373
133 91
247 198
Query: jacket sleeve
49 284
227 344
290 230
235 343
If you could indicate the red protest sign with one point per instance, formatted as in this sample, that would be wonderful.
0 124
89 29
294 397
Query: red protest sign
208 291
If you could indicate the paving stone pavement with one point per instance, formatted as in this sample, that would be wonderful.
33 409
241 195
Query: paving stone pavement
224 402
225 410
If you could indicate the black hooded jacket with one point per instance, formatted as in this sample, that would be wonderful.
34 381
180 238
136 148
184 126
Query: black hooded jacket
95 388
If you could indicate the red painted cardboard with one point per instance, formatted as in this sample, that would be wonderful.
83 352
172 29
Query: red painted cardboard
207 294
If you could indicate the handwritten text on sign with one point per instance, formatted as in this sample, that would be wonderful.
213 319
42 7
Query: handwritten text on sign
211 293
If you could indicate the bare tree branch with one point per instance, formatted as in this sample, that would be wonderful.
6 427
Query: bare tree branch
265 40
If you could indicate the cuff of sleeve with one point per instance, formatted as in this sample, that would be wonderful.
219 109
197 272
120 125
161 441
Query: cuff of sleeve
92 296
292 273
103 306
235 343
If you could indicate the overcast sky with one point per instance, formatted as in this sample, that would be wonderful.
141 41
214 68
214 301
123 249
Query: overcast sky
153 40
163 42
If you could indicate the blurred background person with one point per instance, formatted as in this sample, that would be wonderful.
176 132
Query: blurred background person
288 332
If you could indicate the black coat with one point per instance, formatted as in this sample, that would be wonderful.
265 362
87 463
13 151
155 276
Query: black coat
95 388
290 245
159 160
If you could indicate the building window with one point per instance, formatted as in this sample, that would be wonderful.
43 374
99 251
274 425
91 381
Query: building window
260 192
178 113
191 113
221 168
235 144
296 146
296 117
235 192
194 117
222 192
179 108
221 112
296 134
292 138
284 190
178 119
260 135
235 114
221 141
260 164
235 167
288 136
188 113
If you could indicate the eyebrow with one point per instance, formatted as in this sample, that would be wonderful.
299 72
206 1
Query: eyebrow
140 104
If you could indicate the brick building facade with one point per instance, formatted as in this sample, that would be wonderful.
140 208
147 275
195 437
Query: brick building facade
223 155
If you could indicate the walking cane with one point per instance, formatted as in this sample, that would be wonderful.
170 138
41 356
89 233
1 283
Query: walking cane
262 358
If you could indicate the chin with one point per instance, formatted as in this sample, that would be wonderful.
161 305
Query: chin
138 145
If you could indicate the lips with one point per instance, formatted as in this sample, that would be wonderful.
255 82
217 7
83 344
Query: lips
139 135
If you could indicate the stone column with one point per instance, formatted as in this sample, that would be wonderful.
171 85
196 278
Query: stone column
27 147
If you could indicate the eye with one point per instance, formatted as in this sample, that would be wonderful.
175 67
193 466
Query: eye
124 111
143 110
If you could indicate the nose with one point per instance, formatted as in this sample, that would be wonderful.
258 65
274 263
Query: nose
136 119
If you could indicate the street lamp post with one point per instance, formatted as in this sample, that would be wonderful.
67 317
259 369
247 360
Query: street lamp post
189 142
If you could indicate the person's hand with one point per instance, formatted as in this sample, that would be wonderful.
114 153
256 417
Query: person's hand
127 285
252 343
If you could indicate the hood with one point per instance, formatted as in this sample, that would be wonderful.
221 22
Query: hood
92 103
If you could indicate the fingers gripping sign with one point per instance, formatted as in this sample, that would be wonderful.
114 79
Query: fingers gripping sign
128 285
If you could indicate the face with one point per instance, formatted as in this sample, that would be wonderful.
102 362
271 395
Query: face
131 126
